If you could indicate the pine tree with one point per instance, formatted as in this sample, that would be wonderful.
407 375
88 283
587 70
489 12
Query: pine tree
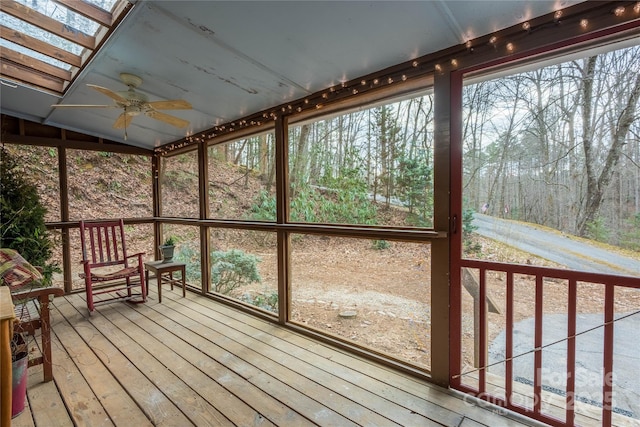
22 225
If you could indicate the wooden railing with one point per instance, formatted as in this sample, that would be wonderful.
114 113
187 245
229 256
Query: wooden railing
563 408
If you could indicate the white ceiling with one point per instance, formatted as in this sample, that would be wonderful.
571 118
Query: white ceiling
233 58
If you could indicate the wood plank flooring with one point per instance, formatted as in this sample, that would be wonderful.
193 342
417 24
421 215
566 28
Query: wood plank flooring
193 361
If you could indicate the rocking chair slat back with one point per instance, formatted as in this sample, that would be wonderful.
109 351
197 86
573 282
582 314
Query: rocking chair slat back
107 245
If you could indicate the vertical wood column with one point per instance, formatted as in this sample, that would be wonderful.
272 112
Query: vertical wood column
282 215
440 261
203 180
63 185
156 165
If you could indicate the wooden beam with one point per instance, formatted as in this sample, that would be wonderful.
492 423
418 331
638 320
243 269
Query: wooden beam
88 10
39 46
26 61
30 76
60 29
74 144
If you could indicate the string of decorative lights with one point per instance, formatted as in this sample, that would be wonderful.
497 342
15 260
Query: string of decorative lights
574 21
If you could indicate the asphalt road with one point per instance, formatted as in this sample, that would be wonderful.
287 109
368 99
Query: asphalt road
555 247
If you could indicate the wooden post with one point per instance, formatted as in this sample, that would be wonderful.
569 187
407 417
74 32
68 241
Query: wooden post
63 185
282 213
440 259
203 187
6 378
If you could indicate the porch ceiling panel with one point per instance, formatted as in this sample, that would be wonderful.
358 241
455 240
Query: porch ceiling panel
231 59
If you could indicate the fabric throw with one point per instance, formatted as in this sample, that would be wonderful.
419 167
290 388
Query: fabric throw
17 273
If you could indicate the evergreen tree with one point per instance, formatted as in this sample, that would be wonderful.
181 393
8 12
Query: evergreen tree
22 225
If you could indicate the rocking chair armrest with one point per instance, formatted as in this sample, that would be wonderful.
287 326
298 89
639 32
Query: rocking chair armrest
138 255
40 293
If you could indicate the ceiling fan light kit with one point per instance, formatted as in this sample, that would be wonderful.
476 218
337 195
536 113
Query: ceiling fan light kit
133 103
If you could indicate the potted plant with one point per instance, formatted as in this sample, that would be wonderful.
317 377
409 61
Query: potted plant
167 249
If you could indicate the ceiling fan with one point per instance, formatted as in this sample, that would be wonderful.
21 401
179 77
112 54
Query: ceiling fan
134 103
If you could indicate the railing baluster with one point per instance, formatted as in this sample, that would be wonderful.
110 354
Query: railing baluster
610 282
482 298
509 339
537 375
607 379
571 352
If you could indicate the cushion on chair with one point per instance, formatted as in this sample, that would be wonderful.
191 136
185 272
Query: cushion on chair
17 273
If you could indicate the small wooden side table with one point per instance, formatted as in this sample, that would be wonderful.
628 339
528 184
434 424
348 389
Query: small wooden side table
6 383
164 274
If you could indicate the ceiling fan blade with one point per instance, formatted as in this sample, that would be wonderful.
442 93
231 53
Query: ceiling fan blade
122 121
175 104
83 106
111 94
172 120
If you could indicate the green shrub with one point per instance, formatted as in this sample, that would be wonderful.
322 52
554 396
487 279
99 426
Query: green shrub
347 203
597 230
266 300
264 207
630 238
467 222
188 254
471 247
232 269
381 244
22 225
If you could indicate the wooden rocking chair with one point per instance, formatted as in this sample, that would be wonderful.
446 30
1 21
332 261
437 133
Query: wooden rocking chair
106 264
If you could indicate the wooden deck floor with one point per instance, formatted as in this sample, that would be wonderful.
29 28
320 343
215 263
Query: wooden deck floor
193 361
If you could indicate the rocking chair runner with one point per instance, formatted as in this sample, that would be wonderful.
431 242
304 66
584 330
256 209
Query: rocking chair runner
106 264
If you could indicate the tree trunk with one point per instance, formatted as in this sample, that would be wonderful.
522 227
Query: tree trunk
597 184
298 170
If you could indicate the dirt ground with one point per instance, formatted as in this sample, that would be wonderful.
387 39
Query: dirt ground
381 298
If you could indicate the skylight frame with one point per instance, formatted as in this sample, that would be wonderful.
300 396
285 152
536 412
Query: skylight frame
48 46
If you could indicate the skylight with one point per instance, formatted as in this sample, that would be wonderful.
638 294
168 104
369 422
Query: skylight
45 43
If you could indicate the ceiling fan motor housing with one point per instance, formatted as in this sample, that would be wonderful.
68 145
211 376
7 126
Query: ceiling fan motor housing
136 100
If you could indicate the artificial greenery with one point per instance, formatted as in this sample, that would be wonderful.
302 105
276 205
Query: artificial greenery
22 224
